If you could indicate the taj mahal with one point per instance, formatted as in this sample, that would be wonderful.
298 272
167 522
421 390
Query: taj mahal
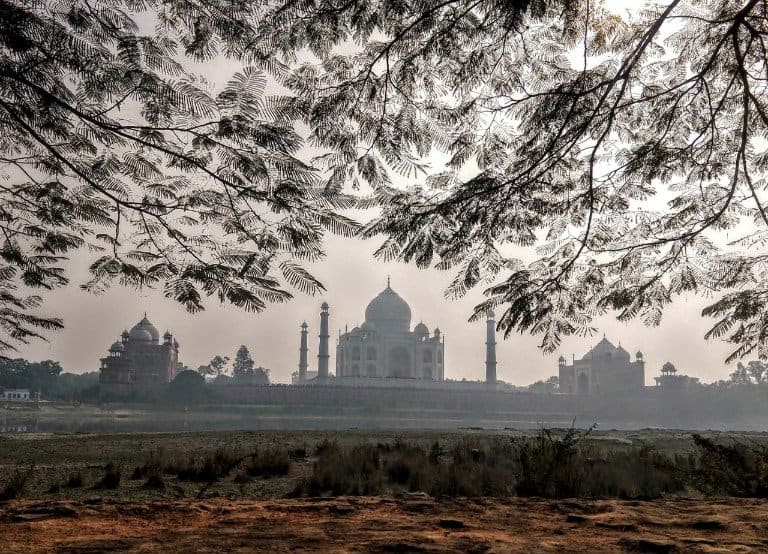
384 346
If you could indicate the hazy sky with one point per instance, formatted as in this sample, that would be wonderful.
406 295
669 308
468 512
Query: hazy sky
353 278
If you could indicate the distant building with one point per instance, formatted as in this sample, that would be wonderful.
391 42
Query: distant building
603 370
384 346
15 394
138 362
669 379
296 377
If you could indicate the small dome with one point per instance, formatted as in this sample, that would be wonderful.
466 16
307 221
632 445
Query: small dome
561 358
421 330
620 352
144 325
304 325
117 347
125 334
388 311
437 331
639 355
367 326
324 305
167 335
668 367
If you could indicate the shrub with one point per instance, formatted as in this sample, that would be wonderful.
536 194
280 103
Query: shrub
734 470
435 453
155 480
152 466
551 464
17 485
298 454
399 471
640 473
325 444
208 470
74 481
269 463
344 472
111 479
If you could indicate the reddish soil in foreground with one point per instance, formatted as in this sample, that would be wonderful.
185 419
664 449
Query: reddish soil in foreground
377 524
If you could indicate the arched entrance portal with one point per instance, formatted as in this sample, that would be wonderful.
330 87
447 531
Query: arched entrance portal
583 383
399 362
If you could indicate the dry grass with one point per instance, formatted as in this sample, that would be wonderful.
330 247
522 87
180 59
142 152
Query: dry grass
550 465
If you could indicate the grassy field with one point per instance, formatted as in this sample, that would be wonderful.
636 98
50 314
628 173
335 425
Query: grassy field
73 465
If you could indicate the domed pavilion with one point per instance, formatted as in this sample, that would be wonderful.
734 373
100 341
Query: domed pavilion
384 346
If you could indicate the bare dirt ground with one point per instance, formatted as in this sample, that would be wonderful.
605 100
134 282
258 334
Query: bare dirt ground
378 524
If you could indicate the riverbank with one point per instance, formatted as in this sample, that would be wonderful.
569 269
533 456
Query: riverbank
380 524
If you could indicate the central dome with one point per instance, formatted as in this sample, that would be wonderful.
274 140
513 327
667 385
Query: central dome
389 312
142 327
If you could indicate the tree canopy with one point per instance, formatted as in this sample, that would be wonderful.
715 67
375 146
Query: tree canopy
109 142
594 162
571 160
244 370
39 377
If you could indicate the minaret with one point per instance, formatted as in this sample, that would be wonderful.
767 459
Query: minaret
490 349
322 354
303 354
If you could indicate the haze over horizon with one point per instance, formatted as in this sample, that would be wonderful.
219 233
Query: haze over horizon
352 278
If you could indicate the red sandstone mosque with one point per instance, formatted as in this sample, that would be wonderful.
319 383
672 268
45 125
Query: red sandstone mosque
138 362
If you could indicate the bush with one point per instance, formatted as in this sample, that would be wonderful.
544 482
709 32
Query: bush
269 463
325 444
208 470
343 472
74 481
155 480
152 466
17 486
299 454
111 479
733 470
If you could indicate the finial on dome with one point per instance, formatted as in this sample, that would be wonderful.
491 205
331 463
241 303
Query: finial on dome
388 279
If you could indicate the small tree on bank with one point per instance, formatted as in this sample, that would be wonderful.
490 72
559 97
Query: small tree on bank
217 367
243 371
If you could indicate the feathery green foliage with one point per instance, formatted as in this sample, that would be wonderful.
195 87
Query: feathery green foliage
108 143
590 162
